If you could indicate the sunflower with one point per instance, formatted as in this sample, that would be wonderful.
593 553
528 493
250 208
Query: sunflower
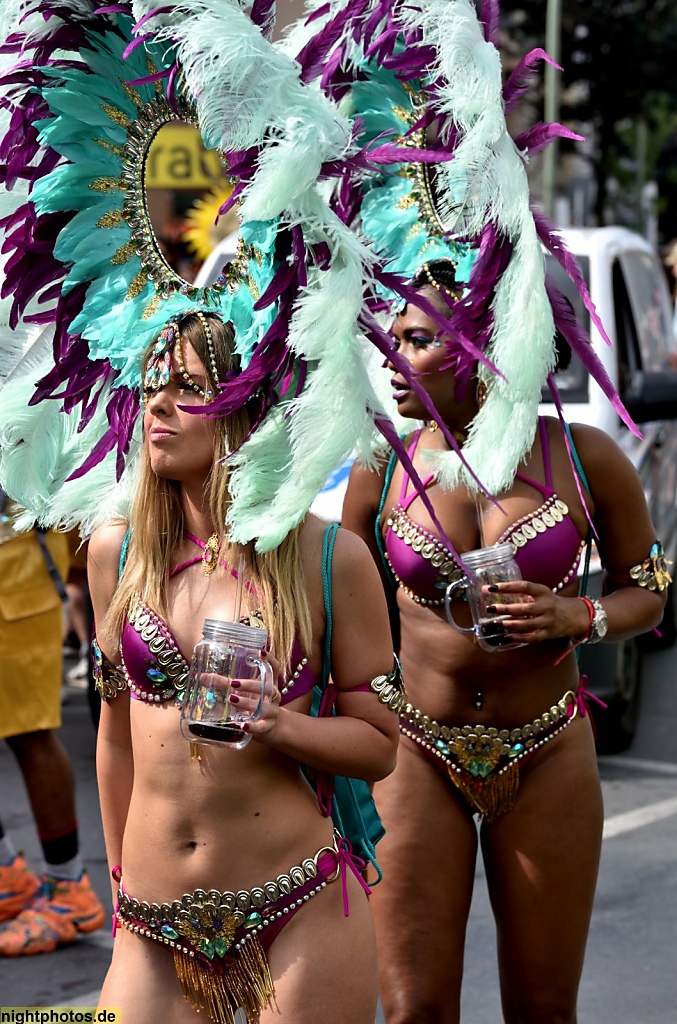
206 227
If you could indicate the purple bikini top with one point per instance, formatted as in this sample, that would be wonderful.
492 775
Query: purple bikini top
547 540
156 670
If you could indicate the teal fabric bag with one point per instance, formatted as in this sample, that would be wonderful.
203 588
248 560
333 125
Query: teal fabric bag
351 804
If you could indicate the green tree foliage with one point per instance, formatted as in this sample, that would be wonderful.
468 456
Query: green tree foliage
623 56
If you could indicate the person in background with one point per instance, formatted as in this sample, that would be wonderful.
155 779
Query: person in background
38 911
77 611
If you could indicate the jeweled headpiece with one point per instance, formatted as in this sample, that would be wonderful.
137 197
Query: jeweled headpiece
169 343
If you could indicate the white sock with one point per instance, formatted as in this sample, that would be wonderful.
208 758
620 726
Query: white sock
7 851
69 872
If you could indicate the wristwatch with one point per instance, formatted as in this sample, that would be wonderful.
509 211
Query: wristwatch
599 627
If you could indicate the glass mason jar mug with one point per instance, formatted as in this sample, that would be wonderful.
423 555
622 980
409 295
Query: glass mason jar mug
486 566
228 651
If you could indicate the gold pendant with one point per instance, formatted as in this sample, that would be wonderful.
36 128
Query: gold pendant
210 555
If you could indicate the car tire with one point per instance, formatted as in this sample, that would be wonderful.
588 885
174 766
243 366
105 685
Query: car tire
667 628
616 726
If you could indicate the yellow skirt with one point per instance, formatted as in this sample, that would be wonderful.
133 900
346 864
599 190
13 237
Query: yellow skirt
30 634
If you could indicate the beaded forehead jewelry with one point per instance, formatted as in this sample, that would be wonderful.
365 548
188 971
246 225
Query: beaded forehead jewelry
169 342
425 271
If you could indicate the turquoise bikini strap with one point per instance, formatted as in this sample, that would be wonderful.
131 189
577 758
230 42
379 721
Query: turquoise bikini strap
588 540
328 541
577 461
124 550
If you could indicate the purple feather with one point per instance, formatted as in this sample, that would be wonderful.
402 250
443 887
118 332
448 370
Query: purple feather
576 338
540 135
313 56
489 21
557 401
552 240
263 15
521 79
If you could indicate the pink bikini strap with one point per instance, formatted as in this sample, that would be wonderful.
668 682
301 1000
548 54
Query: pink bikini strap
184 565
543 488
348 859
405 501
545 447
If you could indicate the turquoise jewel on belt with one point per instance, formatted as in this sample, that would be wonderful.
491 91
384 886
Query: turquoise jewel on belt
169 932
156 676
252 920
516 749
220 946
207 947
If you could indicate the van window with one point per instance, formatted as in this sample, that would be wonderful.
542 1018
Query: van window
627 341
570 374
650 304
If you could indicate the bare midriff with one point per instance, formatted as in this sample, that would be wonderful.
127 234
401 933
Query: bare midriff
444 671
232 820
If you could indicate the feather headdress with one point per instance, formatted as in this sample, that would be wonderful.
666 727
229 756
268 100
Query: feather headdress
439 177
83 100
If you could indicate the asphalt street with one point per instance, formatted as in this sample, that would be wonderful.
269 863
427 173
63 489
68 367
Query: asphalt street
630 975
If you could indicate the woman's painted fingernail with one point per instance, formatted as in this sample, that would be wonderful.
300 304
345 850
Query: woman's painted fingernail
234 699
235 683
492 588
492 609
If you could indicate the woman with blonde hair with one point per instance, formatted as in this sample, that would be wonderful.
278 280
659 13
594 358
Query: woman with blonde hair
237 837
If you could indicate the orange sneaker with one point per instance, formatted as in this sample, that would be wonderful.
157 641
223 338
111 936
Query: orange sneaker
18 886
60 910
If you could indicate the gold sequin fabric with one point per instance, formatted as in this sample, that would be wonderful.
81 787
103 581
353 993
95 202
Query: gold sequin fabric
167 669
483 761
548 515
109 679
427 546
653 572
390 689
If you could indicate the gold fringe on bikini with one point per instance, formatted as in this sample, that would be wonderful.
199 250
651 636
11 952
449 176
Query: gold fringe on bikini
493 797
240 982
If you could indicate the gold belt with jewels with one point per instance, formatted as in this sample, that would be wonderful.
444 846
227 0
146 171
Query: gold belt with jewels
483 762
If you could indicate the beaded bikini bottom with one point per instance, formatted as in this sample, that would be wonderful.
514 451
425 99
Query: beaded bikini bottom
219 939
483 762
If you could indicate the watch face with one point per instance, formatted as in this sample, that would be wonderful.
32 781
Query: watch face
601 623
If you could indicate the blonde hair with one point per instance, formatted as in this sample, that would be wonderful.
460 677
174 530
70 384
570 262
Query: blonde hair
157 523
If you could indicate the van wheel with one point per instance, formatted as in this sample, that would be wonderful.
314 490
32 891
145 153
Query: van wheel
617 725
667 628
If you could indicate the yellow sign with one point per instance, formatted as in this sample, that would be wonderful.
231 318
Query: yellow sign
177 158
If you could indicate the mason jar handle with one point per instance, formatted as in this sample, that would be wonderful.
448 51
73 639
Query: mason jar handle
449 595
267 685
